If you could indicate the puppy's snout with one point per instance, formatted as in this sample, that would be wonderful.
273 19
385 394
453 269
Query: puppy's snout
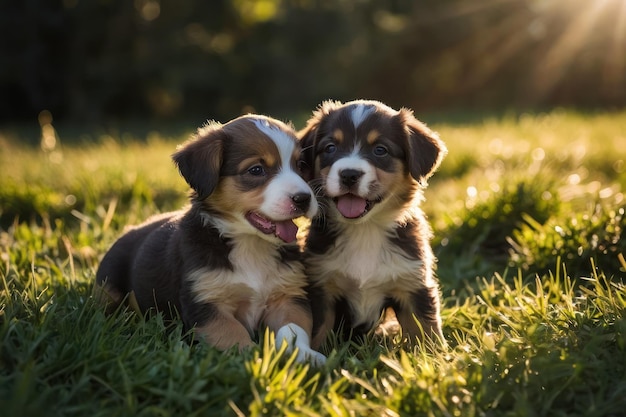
349 177
302 201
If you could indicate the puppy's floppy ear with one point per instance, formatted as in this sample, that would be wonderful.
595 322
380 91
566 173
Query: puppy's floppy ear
425 149
199 160
309 133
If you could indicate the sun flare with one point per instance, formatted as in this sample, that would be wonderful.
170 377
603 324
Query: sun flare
589 24
555 41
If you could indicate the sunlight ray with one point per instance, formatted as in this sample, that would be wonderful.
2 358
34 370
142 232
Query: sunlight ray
508 38
562 53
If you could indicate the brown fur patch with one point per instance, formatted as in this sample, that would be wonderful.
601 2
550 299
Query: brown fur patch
338 135
283 310
372 136
255 147
389 325
211 286
222 199
321 173
224 332
263 151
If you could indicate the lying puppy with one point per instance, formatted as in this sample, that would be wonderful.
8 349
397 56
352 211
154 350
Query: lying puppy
229 263
368 250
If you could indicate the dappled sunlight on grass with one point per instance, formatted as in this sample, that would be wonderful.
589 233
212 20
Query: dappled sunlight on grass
527 213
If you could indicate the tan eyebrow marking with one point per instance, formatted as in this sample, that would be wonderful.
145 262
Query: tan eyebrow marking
338 135
372 136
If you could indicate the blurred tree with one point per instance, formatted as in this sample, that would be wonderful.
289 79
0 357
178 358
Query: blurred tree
115 59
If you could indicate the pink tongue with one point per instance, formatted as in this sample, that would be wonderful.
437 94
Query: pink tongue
351 206
286 230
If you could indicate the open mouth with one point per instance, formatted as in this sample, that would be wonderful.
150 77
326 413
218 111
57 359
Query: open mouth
286 230
352 206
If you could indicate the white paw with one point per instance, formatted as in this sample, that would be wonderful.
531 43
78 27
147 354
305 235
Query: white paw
307 355
297 338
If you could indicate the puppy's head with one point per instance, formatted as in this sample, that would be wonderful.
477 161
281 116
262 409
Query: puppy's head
245 174
367 157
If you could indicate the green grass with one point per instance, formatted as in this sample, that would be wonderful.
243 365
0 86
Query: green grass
528 214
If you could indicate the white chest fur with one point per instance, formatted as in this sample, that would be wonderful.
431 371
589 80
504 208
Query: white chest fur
258 277
365 268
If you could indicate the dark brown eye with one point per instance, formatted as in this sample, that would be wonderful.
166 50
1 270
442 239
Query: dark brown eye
380 150
330 148
256 171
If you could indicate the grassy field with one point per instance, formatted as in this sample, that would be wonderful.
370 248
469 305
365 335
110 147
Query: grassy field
528 213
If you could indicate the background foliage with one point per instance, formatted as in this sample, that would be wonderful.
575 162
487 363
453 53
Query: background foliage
105 60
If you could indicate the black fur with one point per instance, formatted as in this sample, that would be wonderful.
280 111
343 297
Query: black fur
136 262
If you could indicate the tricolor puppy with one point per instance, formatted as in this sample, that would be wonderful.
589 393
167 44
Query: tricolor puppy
229 264
368 250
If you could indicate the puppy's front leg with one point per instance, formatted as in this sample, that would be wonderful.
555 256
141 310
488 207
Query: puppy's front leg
324 328
323 315
224 331
424 307
290 319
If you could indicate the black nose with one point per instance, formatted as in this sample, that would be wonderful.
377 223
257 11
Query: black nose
349 177
301 201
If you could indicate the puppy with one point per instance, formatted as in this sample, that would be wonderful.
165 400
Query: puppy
229 263
368 250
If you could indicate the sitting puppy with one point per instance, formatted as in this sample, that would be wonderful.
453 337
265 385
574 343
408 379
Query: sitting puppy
368 250
229 263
